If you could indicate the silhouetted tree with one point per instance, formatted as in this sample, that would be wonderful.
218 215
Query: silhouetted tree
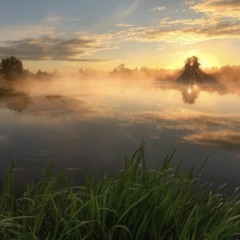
192 70
11 68
192 63
193 74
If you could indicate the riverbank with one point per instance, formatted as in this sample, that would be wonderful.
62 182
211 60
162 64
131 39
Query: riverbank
137 203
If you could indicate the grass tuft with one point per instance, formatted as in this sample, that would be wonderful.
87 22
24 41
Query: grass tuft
138 203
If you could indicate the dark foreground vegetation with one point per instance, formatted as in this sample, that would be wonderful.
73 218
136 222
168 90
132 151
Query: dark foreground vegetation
137 203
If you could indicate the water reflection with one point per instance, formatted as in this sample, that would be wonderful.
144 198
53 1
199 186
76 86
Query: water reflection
18 104
190 94
225 139
95 124
191 91
16 101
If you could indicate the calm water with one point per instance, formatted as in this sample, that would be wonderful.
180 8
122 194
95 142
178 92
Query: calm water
93 124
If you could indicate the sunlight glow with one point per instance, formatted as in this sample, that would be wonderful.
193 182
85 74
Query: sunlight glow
205 64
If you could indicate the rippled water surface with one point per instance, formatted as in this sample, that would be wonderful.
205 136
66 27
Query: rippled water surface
94 124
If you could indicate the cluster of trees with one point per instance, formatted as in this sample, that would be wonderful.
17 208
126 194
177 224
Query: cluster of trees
193 74
12 68
44 75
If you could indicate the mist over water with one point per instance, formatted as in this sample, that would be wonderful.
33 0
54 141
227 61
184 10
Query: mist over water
93 122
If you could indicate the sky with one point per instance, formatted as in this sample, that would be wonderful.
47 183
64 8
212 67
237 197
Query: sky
101 34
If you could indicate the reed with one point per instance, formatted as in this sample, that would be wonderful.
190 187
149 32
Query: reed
138 203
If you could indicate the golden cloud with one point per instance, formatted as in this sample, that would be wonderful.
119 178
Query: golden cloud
184 32
219 8
219 19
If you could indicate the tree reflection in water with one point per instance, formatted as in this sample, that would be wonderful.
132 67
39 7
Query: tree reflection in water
14 100
18 104
190 94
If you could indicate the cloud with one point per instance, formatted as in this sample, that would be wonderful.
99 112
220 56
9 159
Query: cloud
157 9
123 25
11 33
212 22
219 8
183 31
189 2
160 34
216 19
54 19
222 18
77 48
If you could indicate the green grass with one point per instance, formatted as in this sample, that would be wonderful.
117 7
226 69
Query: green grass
137 203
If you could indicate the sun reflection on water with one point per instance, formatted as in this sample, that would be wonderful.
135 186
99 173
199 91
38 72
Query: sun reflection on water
189 89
